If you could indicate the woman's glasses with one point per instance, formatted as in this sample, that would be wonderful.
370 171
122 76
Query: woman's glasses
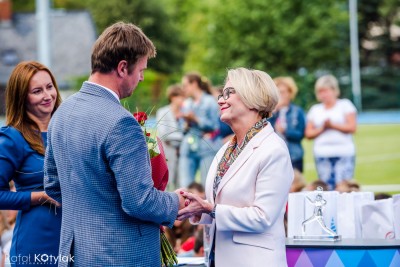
226 93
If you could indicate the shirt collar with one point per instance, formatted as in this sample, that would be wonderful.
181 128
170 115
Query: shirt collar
109 90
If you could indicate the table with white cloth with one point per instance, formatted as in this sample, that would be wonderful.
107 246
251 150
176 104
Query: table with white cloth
191 261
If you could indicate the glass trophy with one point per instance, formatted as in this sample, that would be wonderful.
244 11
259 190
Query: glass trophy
317 218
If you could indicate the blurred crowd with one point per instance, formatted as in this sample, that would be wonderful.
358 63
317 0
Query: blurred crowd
192 133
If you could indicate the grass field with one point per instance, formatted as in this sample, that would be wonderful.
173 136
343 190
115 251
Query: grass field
377 158
377 155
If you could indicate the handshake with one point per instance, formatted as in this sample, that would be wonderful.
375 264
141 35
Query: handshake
192 205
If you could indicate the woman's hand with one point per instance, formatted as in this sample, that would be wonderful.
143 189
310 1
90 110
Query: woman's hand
349 126
190 117
40 198
312 132
195 206
279 128
182 199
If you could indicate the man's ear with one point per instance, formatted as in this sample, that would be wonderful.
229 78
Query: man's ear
122 68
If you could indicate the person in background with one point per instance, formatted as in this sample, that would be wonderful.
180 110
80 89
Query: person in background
168 131
187 248
347 186
6 237
379 196
8 223
194 245
97 162
331 124
299 182
4 229
199 242
198 189
182 234
289 120
179 233
354 186
191 247
248 182
315 184
32 97
200 124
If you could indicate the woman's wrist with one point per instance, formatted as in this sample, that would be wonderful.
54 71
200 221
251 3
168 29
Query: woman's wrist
212 213
36 198
207 207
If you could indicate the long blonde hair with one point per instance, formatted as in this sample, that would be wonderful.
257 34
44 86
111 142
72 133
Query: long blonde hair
16 95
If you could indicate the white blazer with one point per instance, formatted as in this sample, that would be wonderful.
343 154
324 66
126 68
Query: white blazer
251 199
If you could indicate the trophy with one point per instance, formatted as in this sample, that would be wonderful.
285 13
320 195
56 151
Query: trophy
319 202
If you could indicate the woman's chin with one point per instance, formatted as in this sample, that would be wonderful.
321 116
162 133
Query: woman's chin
225 119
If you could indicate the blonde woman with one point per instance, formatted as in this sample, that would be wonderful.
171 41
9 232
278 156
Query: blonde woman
248 182
331 124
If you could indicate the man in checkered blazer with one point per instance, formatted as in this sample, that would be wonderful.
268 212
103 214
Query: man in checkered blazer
97 165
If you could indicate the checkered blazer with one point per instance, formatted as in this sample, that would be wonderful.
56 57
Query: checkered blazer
97 166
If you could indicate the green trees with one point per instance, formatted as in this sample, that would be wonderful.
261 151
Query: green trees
299 38
277 36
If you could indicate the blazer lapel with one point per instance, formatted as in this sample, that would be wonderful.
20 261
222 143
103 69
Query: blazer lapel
254 143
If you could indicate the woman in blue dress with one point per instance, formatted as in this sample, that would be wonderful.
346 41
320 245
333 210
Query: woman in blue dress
32 97
289 120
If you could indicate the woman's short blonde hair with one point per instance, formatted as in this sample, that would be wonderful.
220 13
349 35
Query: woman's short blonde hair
327 81
256 89
289 83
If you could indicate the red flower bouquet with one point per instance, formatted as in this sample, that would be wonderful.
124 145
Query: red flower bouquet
159 173
159 168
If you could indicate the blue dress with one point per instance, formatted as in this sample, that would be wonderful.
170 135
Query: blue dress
36 235
294 133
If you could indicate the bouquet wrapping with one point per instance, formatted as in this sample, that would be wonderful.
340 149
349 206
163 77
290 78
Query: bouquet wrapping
159 168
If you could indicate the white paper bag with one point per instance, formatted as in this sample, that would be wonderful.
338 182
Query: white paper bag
295 213
377 219
396 213
348 213
360 198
